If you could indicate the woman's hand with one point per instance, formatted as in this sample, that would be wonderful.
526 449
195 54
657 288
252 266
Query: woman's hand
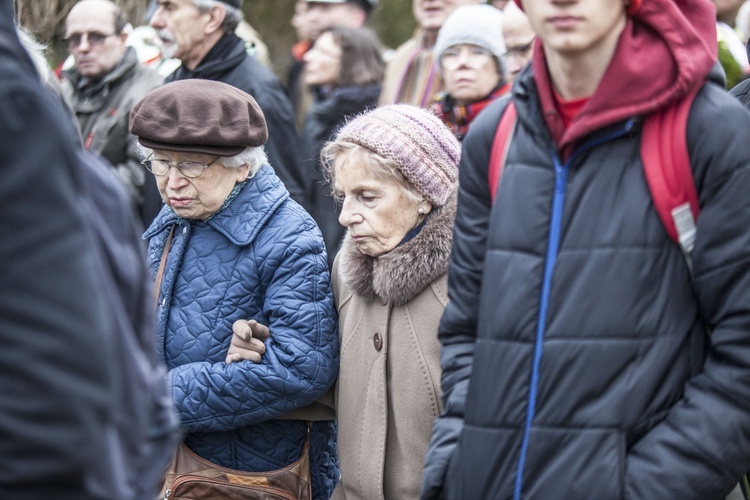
247 341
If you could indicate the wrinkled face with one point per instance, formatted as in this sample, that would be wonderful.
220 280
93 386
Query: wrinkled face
203 196
181 28
322 15
90 31
576 29
323 61
375 206
519 39
431 14
469 72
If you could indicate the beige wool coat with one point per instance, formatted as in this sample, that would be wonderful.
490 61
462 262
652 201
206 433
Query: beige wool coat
388 391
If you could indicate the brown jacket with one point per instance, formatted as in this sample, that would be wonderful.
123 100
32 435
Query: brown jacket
388 391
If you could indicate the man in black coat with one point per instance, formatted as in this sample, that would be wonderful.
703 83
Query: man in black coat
583 355
200 33
75 314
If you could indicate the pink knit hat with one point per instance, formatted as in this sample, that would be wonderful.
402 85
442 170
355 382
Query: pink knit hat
424 149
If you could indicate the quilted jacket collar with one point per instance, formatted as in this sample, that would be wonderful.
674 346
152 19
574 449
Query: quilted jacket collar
241 220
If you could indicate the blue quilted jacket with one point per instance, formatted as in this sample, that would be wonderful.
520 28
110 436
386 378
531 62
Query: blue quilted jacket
261 257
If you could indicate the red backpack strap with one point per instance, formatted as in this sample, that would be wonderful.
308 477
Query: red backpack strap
500 148
666 164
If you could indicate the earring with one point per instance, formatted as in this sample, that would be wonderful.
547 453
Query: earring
420 211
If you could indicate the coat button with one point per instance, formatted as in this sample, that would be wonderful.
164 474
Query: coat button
377 341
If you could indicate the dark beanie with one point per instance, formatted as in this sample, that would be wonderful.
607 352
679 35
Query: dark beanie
199 116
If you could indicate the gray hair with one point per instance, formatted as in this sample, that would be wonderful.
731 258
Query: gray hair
36 52
231 20
255 157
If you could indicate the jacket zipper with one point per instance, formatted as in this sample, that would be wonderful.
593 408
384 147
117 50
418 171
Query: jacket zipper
553 244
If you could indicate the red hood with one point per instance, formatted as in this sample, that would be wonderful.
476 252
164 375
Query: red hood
667 48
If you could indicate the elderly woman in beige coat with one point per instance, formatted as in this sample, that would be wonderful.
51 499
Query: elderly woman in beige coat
394 169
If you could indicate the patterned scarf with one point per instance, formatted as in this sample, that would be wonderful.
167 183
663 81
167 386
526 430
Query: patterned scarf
457 116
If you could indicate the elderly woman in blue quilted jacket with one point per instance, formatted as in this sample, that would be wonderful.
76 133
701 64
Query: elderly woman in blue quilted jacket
235 246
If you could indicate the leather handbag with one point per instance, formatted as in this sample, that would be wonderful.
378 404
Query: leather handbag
192 477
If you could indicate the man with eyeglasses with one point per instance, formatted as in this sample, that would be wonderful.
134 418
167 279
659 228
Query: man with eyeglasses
519 38
105 82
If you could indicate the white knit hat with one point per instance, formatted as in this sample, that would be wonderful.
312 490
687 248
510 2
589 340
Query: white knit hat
480 25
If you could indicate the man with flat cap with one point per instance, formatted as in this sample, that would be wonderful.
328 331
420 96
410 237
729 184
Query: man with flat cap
201 34
234 246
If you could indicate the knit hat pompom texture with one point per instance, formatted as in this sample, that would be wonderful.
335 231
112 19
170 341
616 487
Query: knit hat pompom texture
480 25
423 148
632 6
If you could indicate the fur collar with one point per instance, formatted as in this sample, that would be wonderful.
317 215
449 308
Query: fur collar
401 274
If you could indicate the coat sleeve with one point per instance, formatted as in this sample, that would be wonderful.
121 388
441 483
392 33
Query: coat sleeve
704 441
302 356
54 332
457 331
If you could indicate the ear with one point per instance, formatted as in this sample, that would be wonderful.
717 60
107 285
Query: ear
358 17
242 172
217 15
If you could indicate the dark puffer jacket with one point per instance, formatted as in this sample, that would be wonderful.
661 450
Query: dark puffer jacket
576 360
261 257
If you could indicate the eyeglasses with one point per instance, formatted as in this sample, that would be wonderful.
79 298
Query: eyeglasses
95 39
519 51
473 57
190 169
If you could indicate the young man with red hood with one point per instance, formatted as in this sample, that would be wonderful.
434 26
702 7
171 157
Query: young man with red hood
581 357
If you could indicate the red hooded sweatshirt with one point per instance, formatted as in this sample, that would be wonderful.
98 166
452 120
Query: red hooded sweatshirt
666 48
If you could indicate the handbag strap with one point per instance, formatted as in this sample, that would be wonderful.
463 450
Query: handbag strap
162 265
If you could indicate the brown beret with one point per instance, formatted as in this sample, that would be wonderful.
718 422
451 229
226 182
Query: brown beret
199 116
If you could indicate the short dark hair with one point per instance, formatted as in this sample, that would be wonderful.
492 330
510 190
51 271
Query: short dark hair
361 56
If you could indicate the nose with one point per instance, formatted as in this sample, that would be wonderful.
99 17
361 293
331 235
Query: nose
463 58
84 45
514 64
347 217
157 21
175 179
